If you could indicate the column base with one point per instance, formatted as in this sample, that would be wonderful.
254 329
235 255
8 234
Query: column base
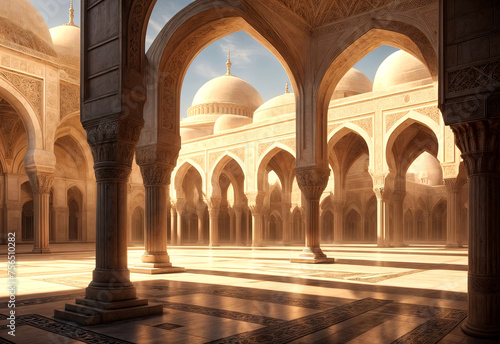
155 268
312 255
41 250
91 312
398 244
453 245
381 244
480 331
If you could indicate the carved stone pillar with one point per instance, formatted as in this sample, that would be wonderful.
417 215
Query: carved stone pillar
382 216
398 197
427 226
312 181
173 224
156 168
111 295
200 211
287 228
338 221
453 212
480 146
238 212
213 211
41 182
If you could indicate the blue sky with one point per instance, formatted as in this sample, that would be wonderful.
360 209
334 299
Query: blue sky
251 61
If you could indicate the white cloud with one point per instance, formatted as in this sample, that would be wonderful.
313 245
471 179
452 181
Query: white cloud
205 70
241 51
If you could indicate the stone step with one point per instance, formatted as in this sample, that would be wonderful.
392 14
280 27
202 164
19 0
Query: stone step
112 305
78 318
85 315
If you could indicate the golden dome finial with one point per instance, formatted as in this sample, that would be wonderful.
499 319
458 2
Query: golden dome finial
71 14
228 63
286 87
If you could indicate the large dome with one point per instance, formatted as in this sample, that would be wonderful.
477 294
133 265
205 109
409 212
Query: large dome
352 83
66 40
22 24
226 94
399 68
275 108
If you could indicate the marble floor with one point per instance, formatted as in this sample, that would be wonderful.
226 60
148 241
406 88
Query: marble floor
415 294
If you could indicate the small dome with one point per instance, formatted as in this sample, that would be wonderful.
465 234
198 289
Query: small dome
275 108
22 24
399 68
426 170
227 122
66 39
226 94
352 83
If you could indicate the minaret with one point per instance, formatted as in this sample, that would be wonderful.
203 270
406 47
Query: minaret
228 63
71 14
286 87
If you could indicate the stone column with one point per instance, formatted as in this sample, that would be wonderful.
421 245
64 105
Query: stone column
480 146
238 212
382 217
200 211
453 212
398 197
287 228
213 212
312 181
249 228
180 212
156 177
232 233
41 182
338 221
256 225
173 224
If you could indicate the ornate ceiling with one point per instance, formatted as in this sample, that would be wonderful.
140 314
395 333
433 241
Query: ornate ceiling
320 12
11 127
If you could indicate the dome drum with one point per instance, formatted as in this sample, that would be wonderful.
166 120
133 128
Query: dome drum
220 108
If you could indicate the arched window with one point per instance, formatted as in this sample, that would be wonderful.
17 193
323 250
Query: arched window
27 221
74 215
327 227
352 226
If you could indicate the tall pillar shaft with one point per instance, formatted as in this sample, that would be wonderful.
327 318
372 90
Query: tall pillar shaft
179 225
200 211
238 212
256 227
41 182
382 217
287 228
213 212
480 146
312 181
173 225
453 212
232 234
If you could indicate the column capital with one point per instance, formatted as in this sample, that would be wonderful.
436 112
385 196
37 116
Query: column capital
200 209
338 205
454 184
479 143
312 180
41 182
382 193
255 201
112 142
238 210
157 161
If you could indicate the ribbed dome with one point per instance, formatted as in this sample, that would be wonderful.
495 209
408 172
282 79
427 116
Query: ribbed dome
275 107
22 24
399 68
227 122
66 39
226 94
352 83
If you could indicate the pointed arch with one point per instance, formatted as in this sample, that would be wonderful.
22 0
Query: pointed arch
180 172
